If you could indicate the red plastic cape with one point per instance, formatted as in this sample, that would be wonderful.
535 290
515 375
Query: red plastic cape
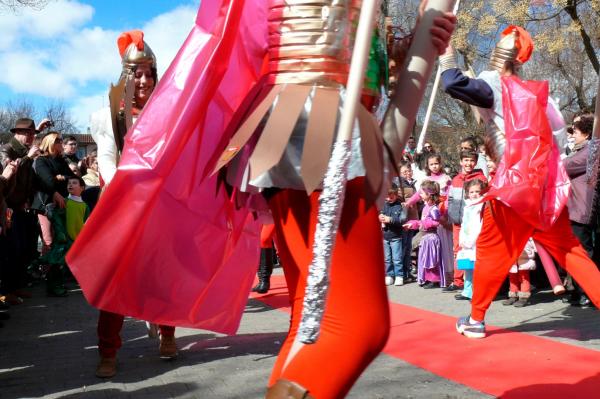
530 178
163 244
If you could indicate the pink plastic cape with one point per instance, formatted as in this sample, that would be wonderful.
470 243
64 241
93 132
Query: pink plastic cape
530 177
163 244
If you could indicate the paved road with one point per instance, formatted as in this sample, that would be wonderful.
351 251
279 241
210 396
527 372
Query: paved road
48 350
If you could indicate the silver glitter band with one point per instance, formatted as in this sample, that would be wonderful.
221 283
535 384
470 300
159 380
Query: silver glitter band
593 161
330 210
495 141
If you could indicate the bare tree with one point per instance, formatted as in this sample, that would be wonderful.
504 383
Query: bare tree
14 110
60 116
54 110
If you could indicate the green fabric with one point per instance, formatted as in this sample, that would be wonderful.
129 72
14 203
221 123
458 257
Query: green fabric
377 69
60 240
55 257
77 213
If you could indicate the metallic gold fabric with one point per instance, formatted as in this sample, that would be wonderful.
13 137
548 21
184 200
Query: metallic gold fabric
310 40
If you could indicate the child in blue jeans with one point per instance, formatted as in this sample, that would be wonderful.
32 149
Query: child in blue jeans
392 217
469 231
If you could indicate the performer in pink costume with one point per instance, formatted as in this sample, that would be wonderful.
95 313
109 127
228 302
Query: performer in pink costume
169 161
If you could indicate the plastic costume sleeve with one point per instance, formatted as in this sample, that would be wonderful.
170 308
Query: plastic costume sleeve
530 177
163 244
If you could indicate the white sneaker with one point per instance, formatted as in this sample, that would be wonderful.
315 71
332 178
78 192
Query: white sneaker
398 281
389 280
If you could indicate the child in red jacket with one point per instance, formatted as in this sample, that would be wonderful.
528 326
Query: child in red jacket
456 204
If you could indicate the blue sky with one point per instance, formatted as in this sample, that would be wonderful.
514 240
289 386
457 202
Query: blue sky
68 51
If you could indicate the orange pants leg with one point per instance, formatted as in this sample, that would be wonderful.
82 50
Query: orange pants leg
356 322
502 239
564 246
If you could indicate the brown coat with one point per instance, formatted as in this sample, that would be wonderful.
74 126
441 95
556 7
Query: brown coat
22 187
581 196
3 191
412 212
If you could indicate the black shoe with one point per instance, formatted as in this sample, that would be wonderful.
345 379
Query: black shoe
265 269
522 302
451 288
573 298
510 301
262 287
429 285
584 301
4 315
461 297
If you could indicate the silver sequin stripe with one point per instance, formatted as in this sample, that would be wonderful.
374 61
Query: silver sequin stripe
331 203
593 161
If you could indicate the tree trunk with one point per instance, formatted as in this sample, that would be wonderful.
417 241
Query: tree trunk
571 9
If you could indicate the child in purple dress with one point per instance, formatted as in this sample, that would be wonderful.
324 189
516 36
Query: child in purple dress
434 173
430 271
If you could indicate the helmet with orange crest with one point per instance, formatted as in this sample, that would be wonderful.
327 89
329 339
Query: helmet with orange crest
513 50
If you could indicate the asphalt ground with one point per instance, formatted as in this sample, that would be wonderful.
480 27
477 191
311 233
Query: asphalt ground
48 350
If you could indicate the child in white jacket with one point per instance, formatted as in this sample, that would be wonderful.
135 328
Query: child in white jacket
469 231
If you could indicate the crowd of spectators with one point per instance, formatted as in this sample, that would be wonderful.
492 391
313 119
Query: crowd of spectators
410 217
40 176
421 220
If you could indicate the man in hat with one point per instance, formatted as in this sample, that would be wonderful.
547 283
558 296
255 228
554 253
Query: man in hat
529 192
108 128
21 236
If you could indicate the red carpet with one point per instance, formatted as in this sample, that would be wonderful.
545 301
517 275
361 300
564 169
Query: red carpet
506 364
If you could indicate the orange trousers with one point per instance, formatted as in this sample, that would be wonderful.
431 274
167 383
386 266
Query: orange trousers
356 322
501 241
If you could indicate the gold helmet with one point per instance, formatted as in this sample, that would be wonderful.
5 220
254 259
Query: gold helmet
515 47
135 51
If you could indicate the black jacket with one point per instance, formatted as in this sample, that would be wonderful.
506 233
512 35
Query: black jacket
395 210
47 168
21 187
71 158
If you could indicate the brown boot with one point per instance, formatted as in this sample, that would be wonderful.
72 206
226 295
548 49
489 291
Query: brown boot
284 389
107 367
168 347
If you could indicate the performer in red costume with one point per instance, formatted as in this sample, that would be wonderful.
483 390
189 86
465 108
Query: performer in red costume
529 192
257 87
109 127
281 149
